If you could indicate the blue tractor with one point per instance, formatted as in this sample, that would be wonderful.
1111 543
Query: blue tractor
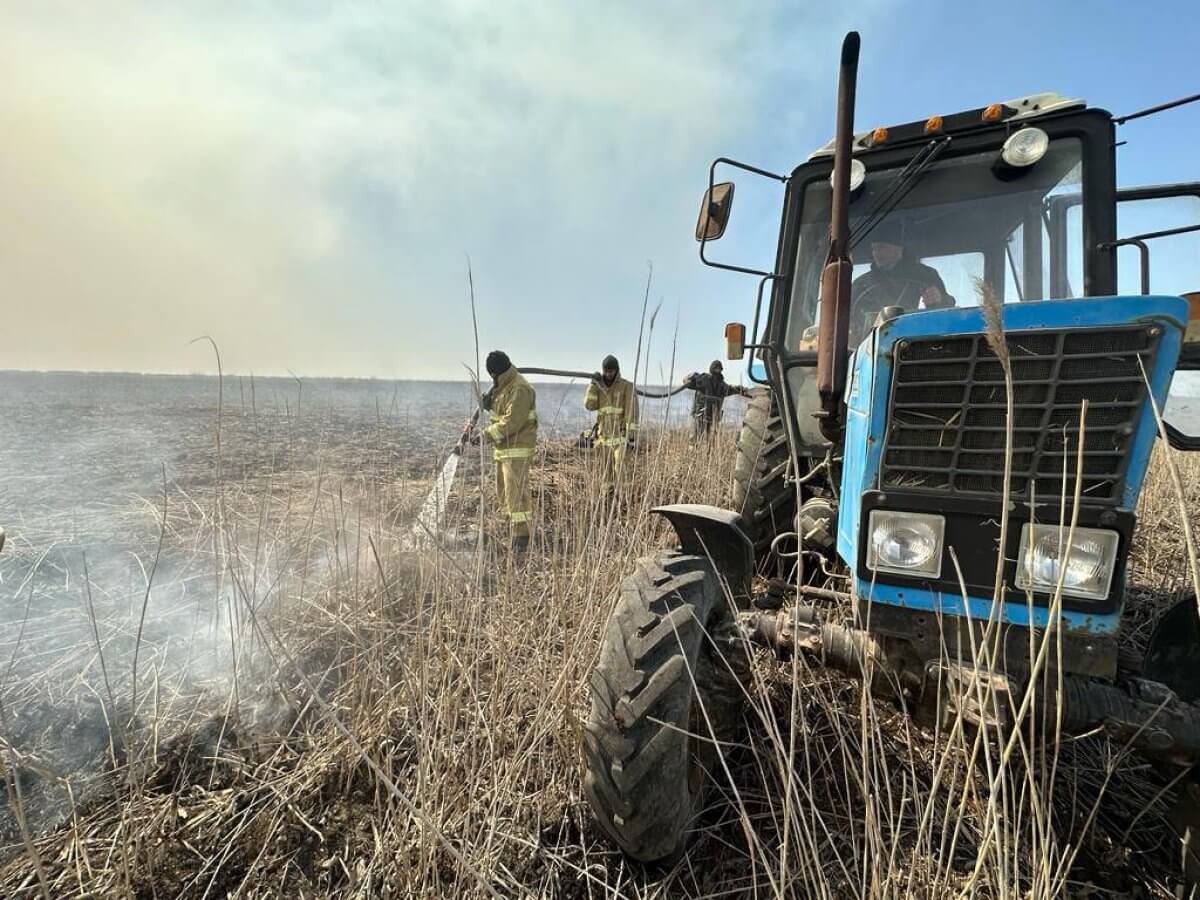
957 414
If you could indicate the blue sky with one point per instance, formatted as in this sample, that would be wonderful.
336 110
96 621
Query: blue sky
304 181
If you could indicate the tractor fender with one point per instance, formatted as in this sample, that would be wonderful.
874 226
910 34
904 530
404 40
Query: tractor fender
719 535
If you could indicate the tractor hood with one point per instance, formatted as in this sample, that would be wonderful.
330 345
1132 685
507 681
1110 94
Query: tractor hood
926 431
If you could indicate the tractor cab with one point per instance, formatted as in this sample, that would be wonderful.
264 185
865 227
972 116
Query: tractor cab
972 217
1017 199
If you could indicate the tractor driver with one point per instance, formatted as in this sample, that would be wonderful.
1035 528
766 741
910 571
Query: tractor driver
893 280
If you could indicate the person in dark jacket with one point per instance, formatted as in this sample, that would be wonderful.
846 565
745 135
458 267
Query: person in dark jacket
893 280
711 390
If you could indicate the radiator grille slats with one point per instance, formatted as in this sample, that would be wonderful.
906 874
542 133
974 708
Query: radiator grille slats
946 431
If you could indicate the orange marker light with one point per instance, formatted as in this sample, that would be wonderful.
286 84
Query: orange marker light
935 125
993 113
878 136
735 340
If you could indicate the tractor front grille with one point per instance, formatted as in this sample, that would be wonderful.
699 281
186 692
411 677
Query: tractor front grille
946 431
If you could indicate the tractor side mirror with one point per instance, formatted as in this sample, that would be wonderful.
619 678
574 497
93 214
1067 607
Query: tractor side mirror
714 211
735 340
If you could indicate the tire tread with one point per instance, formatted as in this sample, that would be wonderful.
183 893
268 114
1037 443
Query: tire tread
761 493
636 751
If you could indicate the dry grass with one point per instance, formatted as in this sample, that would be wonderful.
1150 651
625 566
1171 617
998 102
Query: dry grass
396 724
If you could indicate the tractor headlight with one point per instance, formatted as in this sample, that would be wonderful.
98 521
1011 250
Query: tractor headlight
1086 567
1025 147
905 543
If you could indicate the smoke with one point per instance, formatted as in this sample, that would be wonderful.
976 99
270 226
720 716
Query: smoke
301 184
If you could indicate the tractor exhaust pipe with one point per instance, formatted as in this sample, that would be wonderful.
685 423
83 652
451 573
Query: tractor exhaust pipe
834 328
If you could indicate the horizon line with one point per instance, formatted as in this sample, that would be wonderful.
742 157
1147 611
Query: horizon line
286 376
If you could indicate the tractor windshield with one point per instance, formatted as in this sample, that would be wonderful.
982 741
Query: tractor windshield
962 224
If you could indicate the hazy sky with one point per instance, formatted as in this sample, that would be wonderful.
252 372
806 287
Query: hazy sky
304 181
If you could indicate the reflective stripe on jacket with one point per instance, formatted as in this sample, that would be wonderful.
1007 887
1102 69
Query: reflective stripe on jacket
616 409
514 416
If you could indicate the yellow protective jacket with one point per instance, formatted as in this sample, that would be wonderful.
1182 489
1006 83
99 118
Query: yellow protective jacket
616 408
514 416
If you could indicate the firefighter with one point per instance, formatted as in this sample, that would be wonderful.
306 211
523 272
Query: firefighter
614 401
711 390
513 432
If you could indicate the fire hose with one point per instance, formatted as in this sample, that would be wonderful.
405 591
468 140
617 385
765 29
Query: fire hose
427 519
559 373
469 428
564 373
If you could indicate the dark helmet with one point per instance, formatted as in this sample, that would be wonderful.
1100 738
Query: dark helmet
889 231
715 367
498 363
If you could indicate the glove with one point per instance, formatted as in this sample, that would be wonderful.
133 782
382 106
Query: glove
486 401
596 376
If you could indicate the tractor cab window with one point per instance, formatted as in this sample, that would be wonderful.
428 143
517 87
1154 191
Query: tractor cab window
964 226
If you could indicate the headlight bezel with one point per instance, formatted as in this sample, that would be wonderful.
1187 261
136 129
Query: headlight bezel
936 522
1032 532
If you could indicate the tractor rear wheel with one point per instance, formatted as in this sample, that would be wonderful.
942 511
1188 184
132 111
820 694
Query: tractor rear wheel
761 492
668 679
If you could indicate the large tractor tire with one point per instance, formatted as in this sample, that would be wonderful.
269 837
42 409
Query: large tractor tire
761 493
648 749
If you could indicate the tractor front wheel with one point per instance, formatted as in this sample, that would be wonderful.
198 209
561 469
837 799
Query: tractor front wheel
761 492
667 683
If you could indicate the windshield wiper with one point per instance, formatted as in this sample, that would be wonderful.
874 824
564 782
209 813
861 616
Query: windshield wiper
900 188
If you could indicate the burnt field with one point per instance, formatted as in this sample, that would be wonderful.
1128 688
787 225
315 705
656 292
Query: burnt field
264 691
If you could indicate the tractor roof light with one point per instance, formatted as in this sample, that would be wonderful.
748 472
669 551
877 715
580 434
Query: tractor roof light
858 174
1025 147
